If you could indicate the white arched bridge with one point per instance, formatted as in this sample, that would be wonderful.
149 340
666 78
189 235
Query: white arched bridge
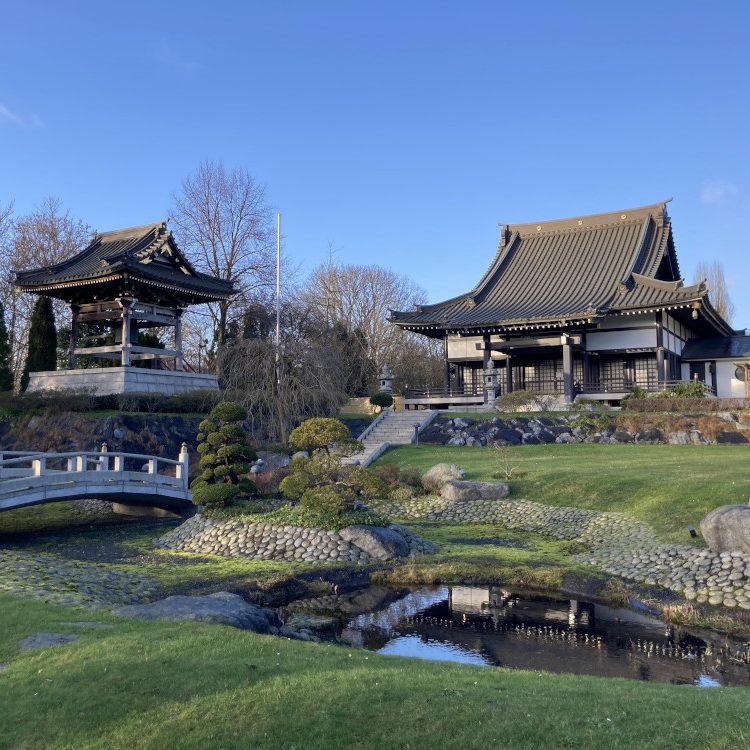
31 478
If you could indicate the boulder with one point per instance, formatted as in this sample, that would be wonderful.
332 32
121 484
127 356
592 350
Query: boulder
508 437
678 438
731 438
300 454
435 477
544 436
377 541
307 621
221 608
622 436
649 435
462 423
727 529
272 461
461 492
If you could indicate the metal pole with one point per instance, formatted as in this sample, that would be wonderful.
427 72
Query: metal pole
278 298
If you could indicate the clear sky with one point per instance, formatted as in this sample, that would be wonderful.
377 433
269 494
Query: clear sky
402 132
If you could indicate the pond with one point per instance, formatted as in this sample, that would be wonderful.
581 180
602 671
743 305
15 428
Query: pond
493 626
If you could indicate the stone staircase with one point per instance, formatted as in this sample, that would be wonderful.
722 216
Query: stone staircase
390 428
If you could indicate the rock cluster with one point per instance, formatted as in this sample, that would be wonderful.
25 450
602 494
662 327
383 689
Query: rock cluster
71 582
520 430
265 541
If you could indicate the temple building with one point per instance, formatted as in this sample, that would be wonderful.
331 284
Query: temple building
123 283
591 306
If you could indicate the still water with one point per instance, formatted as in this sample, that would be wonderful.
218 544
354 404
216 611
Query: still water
494 626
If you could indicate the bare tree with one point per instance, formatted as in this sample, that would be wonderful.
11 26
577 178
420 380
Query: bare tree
417 362
361 297
713 275
44 237
221 218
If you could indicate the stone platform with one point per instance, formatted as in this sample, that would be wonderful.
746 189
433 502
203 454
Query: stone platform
109 380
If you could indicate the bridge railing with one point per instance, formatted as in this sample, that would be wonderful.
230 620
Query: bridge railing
20 464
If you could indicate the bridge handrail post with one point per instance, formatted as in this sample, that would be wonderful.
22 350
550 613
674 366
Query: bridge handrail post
38 466
103 459
181 470
119 463
153 469
80 462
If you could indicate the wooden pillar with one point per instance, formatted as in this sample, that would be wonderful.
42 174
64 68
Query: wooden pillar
567 358
73 337
509 384
446 364
486 357
179 363
126 305
660 371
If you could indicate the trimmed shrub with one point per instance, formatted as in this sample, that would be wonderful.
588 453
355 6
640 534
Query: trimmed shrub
320 433
323 500
381 399
214 494
224 456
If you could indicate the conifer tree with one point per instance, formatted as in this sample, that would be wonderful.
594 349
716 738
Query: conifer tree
42 351
6 376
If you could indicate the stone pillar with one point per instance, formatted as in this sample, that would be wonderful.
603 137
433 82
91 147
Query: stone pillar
567 357
385 380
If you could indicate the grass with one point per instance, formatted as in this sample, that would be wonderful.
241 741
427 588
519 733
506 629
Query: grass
668 486
156 685
486 553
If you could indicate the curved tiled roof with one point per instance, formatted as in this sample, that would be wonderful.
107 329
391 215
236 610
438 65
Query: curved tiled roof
569 269
147 254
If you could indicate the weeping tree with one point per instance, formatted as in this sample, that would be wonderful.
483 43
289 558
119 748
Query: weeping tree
42 349
6 374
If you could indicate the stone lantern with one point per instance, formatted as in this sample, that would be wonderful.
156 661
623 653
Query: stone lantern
490 382
385 380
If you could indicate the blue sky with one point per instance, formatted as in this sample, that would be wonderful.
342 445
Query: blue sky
401 132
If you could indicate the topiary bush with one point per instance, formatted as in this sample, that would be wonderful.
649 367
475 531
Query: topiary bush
382 399
321 434
323 500
224 456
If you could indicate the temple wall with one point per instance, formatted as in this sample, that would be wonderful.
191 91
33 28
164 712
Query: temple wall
107 380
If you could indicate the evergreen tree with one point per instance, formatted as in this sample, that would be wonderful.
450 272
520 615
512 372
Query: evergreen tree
42 351
6 376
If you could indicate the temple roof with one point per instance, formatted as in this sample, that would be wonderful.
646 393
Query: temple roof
724 347
569 270
145 255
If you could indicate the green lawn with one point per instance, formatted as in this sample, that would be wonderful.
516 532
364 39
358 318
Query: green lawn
164 685
668 486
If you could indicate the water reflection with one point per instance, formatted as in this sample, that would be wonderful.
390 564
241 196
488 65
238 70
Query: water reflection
496 626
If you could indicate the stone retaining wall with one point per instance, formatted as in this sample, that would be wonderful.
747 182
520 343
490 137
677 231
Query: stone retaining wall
265 541
520 430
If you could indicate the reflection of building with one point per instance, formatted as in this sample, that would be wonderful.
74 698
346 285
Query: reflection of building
123 284
591 306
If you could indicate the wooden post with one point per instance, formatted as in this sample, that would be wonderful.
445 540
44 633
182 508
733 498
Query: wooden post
179 361
126 305
118 462
567 352
73 337
486 356
446 365
38 466
153 469
508 373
